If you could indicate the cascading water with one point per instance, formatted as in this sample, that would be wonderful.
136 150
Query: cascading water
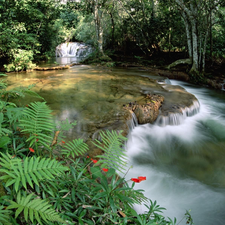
133 123
178 118
72 52
183 160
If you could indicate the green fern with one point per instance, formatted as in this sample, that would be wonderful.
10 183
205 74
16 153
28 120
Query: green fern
14 114
3 129
19 91
6 161
38 123
114 156
4 215
27 90
75 147
30 171
9 115
34 209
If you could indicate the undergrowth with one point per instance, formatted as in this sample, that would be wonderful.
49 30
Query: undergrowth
44 180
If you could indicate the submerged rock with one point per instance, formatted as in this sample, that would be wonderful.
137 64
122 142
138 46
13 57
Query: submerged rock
52 68
146 110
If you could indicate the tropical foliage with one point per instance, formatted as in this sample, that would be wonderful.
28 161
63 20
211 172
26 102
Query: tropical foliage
48 181
30 30
111 144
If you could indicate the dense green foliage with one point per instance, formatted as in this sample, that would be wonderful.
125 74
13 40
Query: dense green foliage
47 181
30 30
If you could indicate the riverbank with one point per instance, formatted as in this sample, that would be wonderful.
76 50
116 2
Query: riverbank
157 64
214 78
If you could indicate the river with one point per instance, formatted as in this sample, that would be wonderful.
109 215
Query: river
184 163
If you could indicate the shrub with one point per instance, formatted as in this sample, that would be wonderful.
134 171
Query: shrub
21 60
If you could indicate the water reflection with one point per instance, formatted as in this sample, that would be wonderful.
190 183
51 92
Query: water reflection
91 96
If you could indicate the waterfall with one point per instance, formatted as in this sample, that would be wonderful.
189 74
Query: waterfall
73 49
178 118
134 122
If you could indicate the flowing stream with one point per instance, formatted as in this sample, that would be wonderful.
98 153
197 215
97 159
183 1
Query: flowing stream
183 162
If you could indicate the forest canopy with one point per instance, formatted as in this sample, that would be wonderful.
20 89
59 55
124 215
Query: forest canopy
30 30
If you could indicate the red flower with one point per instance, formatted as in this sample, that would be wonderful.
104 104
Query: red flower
105 170
27 106
31 149
142 178
138 180
37 140
135 180
88 157
94 160
63 142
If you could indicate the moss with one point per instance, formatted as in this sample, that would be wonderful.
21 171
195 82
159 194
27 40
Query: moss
105 58
178 62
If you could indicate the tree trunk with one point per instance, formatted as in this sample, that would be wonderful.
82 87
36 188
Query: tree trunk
188 34
197 18
191 17
98 26
211 40
153 8
200 41
204 50
113 29
195 53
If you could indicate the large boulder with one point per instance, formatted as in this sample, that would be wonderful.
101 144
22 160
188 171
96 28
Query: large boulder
147 109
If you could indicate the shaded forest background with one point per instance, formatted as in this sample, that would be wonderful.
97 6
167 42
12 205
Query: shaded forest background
151 32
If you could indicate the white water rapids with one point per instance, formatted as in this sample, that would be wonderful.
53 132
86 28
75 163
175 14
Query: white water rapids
184 163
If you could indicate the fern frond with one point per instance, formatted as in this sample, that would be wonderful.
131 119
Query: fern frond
65 125
137 196
33 93
38 122
3 130
75 147
114 155
29 171
14 114
4 215
22 91
6 161
34 209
